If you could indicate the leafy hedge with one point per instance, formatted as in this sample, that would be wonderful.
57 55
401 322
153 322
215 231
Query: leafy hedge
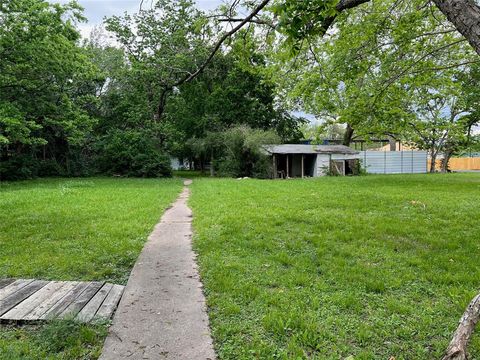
132 153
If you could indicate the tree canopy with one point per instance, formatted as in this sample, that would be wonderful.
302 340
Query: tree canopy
76 107
173 80
43 81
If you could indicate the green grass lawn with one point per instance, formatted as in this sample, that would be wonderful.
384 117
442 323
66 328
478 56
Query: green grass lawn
370 267
83 229
73 229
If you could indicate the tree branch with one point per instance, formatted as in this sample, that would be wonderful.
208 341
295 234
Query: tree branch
341 6
219 43
254 21
457 349
423 57
446 67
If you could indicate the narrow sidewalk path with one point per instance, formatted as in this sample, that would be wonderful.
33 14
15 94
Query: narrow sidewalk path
162 314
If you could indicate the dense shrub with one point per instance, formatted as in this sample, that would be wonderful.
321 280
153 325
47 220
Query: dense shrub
22 167
132 153
240 153
18 167
120 152
48 168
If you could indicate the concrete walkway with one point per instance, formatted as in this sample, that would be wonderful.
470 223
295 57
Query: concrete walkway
162 314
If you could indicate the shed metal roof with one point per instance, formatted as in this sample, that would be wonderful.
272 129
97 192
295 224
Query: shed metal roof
309 149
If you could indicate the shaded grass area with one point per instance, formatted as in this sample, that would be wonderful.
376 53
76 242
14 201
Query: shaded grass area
56 340
82 229
73 229
370 267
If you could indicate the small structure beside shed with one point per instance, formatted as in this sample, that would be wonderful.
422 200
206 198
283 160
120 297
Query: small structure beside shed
295 160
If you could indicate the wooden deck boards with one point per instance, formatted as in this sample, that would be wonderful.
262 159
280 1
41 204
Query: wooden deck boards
26 300
5 282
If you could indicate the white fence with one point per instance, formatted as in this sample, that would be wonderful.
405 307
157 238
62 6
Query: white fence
395 162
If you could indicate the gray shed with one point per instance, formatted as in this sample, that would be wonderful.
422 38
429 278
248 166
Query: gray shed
292 160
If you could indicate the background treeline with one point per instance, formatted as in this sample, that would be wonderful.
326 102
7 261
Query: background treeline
74 107
131 96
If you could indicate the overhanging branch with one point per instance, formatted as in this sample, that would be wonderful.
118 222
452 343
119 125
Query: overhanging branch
219 43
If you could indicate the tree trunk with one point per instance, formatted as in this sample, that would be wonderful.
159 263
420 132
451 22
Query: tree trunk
393 143
161 104
446 159
465 16
347 137
457 349
433 161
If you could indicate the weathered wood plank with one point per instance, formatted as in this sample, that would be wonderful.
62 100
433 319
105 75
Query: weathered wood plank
89 310
17 297
19 311
47 304
32 300
110 304
5 282
13 287
61 305
74 308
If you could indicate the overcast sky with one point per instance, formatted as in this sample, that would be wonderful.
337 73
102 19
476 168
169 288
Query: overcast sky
96 10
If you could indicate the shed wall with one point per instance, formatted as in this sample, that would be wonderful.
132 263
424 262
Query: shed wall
346 156
323 164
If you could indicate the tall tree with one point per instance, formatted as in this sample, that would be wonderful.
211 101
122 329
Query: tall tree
362 74
42 73
437 122
165 45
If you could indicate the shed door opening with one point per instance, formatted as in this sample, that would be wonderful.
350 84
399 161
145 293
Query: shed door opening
344 167
352 167
310 162
291 165
337 167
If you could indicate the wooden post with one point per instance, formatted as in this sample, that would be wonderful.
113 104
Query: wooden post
303 166
288 171
274 166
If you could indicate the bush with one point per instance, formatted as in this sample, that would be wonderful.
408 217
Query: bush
29 166
132 153
48 168
18 167
240 154
151 165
